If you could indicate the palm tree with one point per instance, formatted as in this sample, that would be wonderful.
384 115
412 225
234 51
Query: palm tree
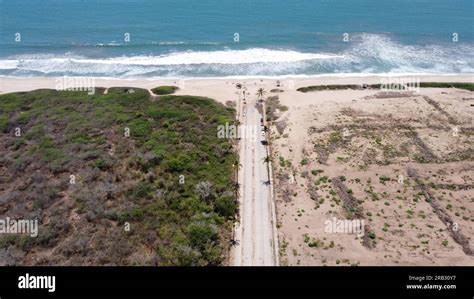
236 186
267 159
260 93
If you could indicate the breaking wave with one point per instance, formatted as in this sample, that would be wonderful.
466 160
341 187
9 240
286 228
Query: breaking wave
366 53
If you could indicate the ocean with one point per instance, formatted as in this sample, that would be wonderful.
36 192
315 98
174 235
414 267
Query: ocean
239 38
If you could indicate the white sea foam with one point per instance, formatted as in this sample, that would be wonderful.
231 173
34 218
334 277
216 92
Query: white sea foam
379 51
8 64
214 57
365 54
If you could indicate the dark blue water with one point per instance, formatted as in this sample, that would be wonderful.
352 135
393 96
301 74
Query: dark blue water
176 38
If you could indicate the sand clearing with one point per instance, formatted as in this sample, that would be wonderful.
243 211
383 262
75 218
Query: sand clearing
394 162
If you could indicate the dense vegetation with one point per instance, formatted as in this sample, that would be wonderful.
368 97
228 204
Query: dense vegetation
171 179
327 87
467 86
162 90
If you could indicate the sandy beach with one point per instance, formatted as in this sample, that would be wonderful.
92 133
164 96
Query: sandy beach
218 88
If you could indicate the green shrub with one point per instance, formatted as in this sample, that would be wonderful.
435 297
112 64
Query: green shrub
142 190
305 161
3 123
384 179
163 90
372 235
226 206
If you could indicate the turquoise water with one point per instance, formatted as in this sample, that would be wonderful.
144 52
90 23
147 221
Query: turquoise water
183 38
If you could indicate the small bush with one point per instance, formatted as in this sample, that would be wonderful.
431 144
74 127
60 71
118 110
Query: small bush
226 206
163 90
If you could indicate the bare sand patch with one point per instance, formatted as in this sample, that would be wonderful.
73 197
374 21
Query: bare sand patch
370 143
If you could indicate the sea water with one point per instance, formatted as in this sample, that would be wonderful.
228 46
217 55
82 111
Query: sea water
216 38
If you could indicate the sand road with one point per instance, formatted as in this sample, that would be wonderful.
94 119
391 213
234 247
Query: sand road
256 231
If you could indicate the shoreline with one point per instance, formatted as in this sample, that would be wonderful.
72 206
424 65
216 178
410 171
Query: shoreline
241 77
196 85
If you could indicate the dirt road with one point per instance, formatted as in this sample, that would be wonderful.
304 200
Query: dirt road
256 233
